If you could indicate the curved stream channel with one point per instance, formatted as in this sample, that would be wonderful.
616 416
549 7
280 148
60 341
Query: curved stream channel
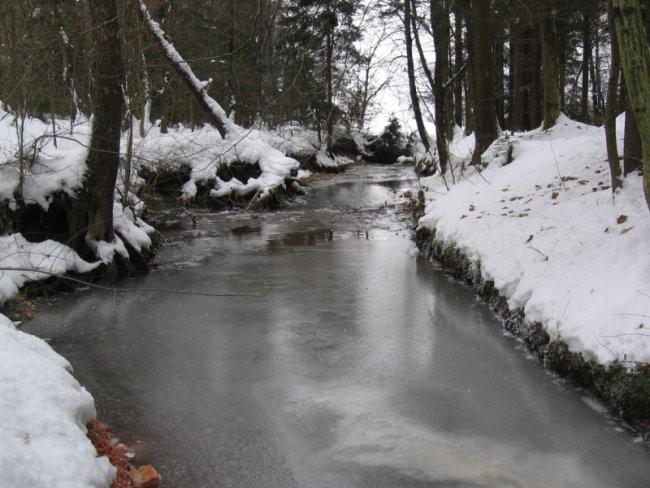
356 362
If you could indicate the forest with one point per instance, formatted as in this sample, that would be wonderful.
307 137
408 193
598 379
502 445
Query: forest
486 66
269 182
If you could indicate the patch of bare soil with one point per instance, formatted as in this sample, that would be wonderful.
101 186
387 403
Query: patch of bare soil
128 475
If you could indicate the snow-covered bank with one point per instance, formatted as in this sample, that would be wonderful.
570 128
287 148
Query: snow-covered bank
246 162
43 410
43 416
548 232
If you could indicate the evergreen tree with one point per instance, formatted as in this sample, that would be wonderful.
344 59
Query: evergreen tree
316 45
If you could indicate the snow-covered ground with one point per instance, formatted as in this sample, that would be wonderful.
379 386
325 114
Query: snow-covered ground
43 415
555 241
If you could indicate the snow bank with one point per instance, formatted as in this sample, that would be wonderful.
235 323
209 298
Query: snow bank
43 413
206 153
547 230
22 261
49 167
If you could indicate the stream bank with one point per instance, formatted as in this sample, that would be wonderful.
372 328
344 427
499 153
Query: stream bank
625 391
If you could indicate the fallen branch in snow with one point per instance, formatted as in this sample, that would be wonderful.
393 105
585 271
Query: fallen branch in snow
557 165
538 251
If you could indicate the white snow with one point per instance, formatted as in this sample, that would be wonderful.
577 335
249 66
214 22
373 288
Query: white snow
43 409
22 261
555 241
43 415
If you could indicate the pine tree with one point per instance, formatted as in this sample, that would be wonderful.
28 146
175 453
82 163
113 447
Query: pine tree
316 39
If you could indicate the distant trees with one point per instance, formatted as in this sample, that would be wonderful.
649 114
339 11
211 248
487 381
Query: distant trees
516 65
317 55
488 65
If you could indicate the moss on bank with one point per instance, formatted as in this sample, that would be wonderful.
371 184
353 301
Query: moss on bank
625 390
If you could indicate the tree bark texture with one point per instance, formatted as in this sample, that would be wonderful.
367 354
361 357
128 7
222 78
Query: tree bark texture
410 66
92 214
610 107
483 78
439 14
330 24
586 58
635 60
551 87
458 63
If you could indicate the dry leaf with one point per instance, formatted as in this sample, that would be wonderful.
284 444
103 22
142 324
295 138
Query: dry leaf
621 219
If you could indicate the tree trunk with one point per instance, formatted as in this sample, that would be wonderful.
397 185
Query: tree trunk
330 23
586 58
91 218
458 63
610 107
635 59
439 14
415 101
534 75
548 37
632 150
499 81
483 78
518 74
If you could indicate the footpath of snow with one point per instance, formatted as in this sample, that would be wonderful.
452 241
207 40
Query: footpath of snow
547 230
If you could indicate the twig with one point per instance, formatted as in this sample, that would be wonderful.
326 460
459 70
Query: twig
557 165
540 253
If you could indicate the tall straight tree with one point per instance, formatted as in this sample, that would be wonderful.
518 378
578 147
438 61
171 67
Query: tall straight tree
546 13
610 107
635 60
440 27
91 218
482 59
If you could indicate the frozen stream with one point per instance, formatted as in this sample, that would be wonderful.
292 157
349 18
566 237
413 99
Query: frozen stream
359 364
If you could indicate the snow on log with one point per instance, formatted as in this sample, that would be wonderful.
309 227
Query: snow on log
182 67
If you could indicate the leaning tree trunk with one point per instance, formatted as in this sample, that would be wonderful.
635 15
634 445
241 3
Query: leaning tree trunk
198 88
635 59
415 100
91 218
436 84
